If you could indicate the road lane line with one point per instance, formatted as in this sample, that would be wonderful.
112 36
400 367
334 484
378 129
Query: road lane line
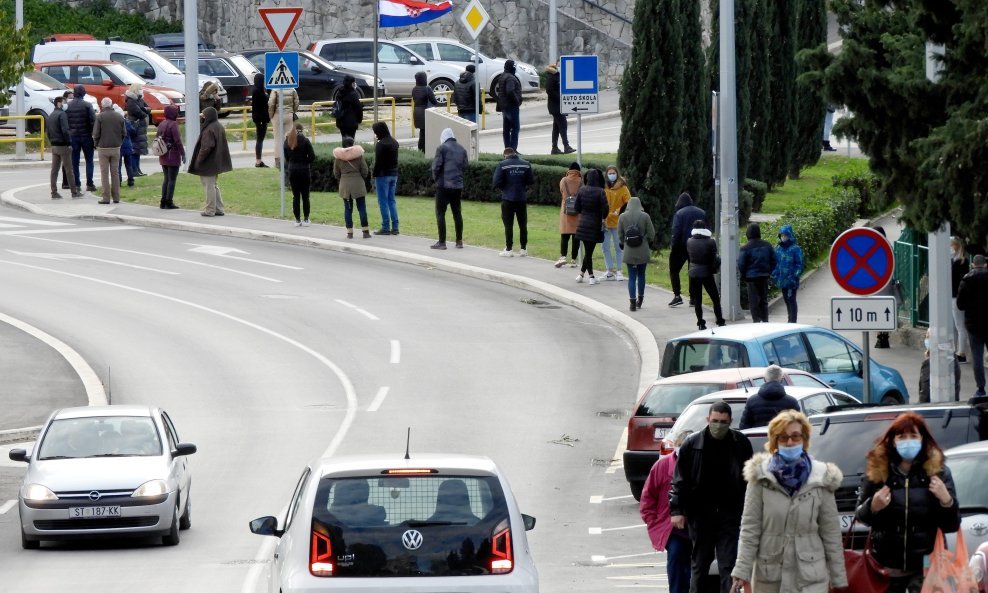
597 499
34 222
220 251
65 256
617 461
73 230
600 530
395 352
378 399
7 506
358 310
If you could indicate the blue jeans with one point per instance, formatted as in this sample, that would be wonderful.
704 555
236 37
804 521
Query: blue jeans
977 341
348 212
636 279
612 249
386 201
85 146
678 552
511 123
469 116
789 296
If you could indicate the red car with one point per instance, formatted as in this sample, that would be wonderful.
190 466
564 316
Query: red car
659 407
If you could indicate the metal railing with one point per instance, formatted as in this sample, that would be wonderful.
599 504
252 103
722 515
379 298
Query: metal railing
320 105
41 134
449 108
912 272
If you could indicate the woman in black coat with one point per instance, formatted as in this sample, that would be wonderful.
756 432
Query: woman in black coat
351 111
259 113
423 98
591 204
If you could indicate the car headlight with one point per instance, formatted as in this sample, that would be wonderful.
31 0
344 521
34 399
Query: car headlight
161 98
528 70
152 488
37 492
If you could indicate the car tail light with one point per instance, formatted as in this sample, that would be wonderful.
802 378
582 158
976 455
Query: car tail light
502 558
881 416
321 555
312 47
409 471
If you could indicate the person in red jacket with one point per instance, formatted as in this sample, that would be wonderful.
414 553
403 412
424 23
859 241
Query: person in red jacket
654 509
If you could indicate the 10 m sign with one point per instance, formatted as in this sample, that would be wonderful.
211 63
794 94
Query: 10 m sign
863 313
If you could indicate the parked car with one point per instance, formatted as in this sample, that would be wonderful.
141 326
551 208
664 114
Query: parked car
233 70
319 79
396 65
969 467
825 353
114 471
489 70
174 42
660 405
383 523
40 91
101 79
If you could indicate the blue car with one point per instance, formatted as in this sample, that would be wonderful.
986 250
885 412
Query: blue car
817 350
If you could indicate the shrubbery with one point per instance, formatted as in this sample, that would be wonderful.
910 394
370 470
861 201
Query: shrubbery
98 19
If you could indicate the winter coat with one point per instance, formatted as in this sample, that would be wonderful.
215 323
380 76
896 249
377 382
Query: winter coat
211 155
109 130
702 252
290 107
168 129
209 96
82 116
449 165
552 89
788 261
300 157
259 101
634 214
57 128
905 531
385 153
959 267
512 176
591 203
569 185
350 168
617 200
790 543
970 299
682 221
757 257
654 504
684 496
465 93
351 110
765 405
127 146
508 91
138 112
423 97
924 381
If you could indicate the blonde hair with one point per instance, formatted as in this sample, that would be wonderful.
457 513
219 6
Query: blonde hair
777 427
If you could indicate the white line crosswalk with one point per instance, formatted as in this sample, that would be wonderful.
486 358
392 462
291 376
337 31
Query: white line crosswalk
13 225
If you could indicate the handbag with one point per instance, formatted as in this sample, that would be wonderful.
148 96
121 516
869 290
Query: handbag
159 147
864 573
949 571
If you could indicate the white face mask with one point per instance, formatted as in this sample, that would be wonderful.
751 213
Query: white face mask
612 177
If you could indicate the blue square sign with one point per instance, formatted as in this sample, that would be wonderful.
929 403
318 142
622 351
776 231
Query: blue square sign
578 84
281 70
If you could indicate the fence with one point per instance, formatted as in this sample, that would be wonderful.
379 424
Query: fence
912 272
41 136
320 105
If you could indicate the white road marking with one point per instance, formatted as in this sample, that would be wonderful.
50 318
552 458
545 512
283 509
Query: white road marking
7 506
646 564
378 399
33 221
597 499
363 312
63 256
395 352
220 251
617 461
600 530
73 230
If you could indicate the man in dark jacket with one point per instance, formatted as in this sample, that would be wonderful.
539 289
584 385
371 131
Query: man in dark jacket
351 111
82 118
422 98
970 300
57 128
755 264
704 263
512 176
259 115
707 494
447 171
682 225
210 158
558 118
771 399
465 94
509 104
386 177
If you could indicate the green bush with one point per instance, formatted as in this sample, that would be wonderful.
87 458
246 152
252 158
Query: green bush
872 199
745 206
758 189
98 19
818 220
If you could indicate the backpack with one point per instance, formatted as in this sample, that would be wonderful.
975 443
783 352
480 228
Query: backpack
570 205
633 235
159 147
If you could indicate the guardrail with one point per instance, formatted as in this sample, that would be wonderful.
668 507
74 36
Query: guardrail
449 108
319 105
41 135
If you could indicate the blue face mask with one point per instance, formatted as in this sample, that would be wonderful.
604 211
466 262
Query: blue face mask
791 453
909 449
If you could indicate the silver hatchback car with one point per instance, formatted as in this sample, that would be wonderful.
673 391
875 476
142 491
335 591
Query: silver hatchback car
105 471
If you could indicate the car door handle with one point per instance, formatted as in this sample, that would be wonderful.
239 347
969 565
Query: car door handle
833 383
276 555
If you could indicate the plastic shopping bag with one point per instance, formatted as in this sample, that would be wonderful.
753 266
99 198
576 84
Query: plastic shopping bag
949 571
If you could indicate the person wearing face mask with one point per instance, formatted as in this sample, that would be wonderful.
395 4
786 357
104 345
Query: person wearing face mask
707 494
790 498
654 510
789 264
924 375
906 496
618 194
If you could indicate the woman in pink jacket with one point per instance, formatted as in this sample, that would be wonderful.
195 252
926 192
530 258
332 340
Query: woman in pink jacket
654 509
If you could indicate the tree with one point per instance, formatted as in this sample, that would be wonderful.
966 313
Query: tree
780 129
811 33
15 54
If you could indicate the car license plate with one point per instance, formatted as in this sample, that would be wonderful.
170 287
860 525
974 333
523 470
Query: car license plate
660 433
846 520
102 512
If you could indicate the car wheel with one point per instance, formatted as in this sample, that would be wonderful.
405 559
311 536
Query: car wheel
441 85
172 537
186 521
33 126
636 489
29 544
891 398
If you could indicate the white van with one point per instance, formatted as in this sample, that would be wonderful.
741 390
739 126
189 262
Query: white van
144 61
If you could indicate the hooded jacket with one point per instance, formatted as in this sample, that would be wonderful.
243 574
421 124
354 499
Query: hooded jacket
591 204
702 251
790 543
636 215
682 221
465 93
618 195
552 89
82 116
259 101
385 151
569 185
351 109
138 113
766 404
508 88
423 97
449 164
788 261
757 257
512 176
211 155
168 129
972 289
350 168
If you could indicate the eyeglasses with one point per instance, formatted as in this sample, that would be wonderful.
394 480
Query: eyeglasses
791 438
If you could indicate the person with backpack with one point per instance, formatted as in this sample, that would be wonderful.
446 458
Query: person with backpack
509 104
348 110
755 264
512 176
636 231
259 115
618 194
569 186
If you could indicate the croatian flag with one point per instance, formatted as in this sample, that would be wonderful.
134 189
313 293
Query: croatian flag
403 13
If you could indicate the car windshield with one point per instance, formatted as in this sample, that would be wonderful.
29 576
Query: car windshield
970 480
100 436
125 74
245 66
694 418
690 356
673 398
308 60
36 80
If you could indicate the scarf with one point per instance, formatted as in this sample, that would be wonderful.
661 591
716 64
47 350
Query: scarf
790 475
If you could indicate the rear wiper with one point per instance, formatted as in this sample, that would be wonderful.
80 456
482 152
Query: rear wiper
57 457
434 523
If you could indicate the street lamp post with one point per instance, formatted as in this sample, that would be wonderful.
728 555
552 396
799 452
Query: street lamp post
728 137
19 152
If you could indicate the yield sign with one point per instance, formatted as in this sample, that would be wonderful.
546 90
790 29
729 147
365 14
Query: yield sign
862 261
280 22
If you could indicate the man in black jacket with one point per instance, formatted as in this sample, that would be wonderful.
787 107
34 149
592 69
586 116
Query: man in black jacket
704 263
465 94
682 224
768 402
386 177
448 167
509 104
423 98
707 494
755 264
57 128
970 299
82 118
512 176
558 118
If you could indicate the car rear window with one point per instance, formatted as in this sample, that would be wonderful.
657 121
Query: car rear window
375 522
667 399
690 356
694 419
970 480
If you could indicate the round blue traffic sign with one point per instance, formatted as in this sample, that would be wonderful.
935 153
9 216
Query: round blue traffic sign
862 261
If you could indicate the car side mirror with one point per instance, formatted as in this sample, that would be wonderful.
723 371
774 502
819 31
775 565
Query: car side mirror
266 526
529 521
315 68
107 83
148 73
19 455
184 449
414 60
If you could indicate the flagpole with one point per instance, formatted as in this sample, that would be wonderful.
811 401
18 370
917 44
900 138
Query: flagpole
377 25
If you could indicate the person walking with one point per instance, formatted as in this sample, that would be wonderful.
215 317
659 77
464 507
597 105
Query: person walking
465 94
704 263
259 115
350 169
654 511
682 225
924 374
591 204
637 233
299 157
82 118
59 136
351 110
512 176
210 159
386 177
569 186
171 160
108 135
790 498
770 399
287 116
618 194
707 493
422 98
906 496
788 268
755 264
970 299
448 167
959 267
509 99
139 114
559 122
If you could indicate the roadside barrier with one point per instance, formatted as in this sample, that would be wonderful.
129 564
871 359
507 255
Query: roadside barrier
41 136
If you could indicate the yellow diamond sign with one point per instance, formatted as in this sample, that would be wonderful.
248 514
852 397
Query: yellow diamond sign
474 18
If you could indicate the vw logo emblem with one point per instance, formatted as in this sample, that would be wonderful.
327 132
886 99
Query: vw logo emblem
412 539
980 528
94 495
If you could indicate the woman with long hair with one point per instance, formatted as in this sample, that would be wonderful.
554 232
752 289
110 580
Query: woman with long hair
618 194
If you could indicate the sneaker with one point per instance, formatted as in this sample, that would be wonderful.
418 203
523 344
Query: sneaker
261 165
579 279
560 262
676 301
618 276
506 253
91 188
980 392
610 276
395 232
568 150
961 359
306 222
572 263
382 232
298 223
594 281
78 195
65 186
56 196
555 151
438 245
523 253
459 244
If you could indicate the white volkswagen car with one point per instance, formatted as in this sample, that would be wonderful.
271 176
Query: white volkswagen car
429 524
489 69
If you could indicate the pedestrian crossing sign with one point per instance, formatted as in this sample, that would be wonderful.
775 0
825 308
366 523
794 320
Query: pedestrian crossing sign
281 70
